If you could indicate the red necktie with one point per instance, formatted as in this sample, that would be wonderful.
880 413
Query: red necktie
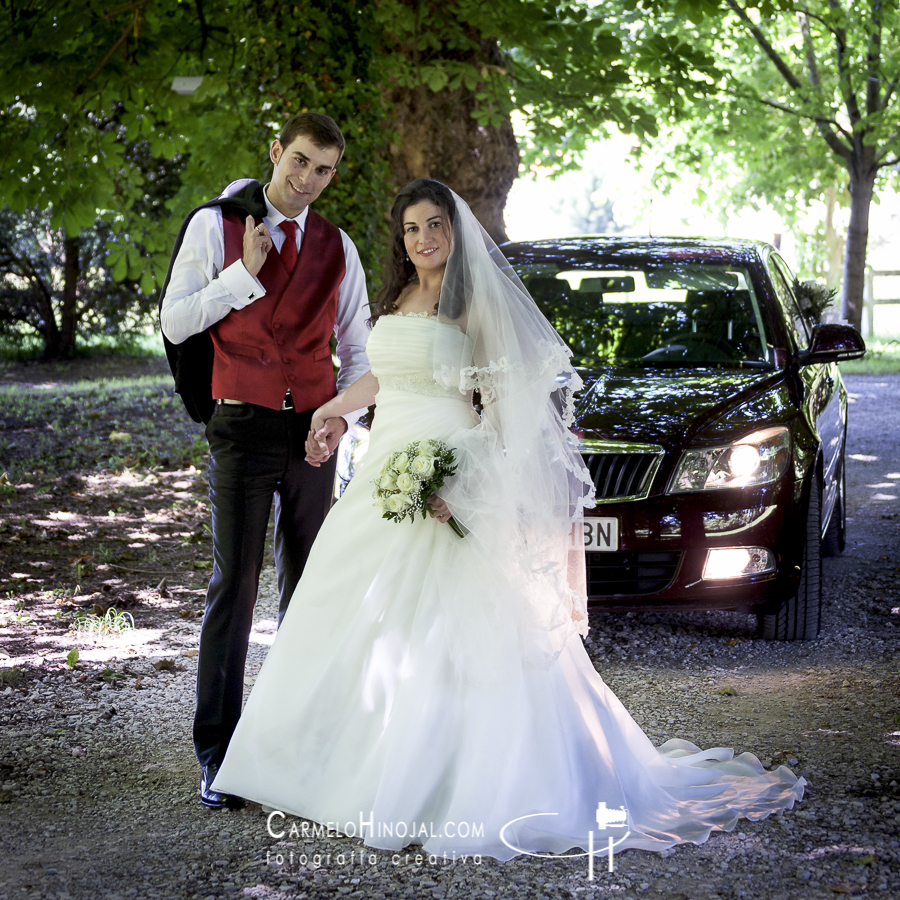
289 247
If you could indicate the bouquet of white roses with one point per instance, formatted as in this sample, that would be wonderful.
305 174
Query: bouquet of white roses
410 476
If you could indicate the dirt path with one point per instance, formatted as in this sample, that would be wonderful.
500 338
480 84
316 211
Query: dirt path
98 782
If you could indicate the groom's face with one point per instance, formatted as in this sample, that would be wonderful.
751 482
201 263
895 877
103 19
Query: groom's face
302 171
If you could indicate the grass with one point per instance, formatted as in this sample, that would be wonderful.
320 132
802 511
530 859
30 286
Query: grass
11 677
111 622
26 345
109 424
882 358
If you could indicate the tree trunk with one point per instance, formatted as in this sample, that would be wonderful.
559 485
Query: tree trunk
69 313
50 333
438 138
45 319
862 185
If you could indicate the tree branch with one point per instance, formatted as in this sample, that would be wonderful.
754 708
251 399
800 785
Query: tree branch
822 123
840 37
886 146
873 61
811 66
204 29
766 47
889 93
27 270
811 15
133 26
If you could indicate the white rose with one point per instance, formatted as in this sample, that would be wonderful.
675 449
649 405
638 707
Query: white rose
405 482
387 482
423 466
401 462
428 449
399 503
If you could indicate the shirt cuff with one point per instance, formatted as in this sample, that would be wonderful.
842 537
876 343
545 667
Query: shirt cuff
241 284
352 418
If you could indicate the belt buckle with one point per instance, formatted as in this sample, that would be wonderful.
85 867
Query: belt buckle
288 402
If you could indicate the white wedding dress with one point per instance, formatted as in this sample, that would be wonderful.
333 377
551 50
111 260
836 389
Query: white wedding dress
398 703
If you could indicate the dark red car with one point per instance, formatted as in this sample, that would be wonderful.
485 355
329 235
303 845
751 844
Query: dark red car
713 420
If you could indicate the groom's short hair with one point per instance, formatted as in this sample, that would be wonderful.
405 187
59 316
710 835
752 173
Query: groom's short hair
321 130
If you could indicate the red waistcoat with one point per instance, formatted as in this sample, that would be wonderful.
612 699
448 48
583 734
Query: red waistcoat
280 342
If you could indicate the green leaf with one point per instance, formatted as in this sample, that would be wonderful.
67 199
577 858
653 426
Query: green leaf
435 78
120 269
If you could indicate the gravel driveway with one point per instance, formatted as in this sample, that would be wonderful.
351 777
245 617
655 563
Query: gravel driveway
99 786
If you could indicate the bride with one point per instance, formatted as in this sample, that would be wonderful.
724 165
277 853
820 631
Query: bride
431 689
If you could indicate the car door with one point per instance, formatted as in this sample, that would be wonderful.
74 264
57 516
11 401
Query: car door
823 403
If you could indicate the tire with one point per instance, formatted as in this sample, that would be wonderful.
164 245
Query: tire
836 536
800 616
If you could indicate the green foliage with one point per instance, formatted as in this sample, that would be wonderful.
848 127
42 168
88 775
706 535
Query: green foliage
93 136
91 132
803 105
72 110
315 56
574 71
72 657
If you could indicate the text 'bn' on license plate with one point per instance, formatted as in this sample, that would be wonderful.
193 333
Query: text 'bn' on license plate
601 534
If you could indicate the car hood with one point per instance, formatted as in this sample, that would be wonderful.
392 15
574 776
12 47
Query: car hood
674 407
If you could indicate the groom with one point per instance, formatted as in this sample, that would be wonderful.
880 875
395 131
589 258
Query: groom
257 285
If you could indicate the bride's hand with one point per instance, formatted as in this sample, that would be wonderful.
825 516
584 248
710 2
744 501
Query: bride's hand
438 509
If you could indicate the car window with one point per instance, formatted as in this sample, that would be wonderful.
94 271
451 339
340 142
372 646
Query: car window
656 313
781 279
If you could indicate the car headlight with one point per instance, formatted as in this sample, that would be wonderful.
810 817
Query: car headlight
759 458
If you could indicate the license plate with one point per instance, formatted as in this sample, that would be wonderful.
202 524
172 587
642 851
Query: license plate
601 534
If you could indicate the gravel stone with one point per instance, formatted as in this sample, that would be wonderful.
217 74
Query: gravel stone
98 783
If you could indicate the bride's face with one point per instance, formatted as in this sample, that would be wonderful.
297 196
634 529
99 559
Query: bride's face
426 235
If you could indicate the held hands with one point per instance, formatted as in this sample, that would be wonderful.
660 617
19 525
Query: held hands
257 243
324 435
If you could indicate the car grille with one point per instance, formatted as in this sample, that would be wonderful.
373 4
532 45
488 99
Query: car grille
621 471
627 574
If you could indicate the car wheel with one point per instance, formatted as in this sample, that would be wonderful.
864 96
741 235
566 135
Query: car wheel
800 617
835 537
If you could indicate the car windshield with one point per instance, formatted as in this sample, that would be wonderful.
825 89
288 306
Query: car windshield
661 314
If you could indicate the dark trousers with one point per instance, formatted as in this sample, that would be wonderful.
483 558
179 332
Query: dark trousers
255 454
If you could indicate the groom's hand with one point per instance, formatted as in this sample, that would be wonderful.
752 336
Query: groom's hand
257 242
323 439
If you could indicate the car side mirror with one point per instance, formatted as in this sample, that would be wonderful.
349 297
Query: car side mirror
830 342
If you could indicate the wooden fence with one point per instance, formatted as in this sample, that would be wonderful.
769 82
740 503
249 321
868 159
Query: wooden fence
870 301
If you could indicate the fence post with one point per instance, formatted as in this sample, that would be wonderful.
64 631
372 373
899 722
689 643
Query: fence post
868 317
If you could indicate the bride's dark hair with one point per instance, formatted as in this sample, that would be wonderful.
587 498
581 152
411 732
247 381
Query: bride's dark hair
399 271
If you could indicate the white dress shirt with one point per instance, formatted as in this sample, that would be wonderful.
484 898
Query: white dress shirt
201 290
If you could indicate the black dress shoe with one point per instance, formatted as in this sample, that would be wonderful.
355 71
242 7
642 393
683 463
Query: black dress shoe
216 799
